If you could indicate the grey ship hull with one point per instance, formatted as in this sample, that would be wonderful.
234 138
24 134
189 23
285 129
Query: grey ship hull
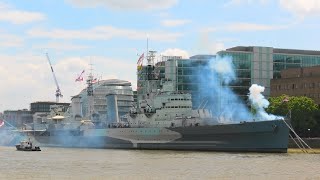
265 136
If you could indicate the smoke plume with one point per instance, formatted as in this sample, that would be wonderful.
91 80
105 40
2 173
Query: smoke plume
259 102
216 77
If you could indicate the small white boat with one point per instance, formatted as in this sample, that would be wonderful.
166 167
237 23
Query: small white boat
27 146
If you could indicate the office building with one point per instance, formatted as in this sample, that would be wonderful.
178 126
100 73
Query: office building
298 82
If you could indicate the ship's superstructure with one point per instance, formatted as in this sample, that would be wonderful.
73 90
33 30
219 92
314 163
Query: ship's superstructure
166 108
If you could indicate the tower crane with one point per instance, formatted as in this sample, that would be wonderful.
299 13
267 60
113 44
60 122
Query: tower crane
58 91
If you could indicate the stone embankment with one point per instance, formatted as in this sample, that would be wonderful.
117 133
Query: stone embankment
312 142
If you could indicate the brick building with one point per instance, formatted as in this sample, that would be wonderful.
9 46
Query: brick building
298 82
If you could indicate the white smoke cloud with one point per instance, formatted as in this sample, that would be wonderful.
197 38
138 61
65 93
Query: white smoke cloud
224 67
256 96
259 102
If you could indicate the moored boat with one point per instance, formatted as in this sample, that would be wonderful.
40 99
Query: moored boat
27 145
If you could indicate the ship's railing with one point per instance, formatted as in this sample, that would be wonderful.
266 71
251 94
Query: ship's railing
118 125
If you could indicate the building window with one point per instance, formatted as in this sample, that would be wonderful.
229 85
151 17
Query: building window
311 85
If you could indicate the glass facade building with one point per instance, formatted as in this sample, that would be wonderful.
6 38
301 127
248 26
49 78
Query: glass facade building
266 63
253 65
122 89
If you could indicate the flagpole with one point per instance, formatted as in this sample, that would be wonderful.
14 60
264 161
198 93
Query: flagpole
147 71
147 47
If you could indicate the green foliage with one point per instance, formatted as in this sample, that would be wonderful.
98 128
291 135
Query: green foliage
304 111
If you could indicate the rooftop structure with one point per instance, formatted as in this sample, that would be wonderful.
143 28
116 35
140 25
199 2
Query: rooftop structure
122 89
44 106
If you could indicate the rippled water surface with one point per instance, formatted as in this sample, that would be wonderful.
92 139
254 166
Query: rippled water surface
62 163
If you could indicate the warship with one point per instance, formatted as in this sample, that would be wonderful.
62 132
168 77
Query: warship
162 119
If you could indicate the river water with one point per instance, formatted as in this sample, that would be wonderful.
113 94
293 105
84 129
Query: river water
69 163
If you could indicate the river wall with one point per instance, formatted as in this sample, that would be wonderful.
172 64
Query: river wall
312 142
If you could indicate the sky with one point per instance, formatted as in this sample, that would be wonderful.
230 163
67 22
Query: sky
111 34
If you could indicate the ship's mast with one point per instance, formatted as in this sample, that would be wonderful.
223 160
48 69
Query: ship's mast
150 66
90 92
89 82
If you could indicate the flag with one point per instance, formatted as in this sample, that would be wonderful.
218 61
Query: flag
80 78
140 61
1 122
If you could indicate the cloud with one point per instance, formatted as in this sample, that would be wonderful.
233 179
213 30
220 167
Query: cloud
301 8
9 40
214 46
240 2
138 5
163 14
27 78
104 33
243 26
174 22
14 16
61 46
208 30
252 27
175 52
208 45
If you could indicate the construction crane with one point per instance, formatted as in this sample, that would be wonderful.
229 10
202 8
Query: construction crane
58 91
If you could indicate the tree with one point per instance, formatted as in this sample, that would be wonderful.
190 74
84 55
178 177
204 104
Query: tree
304 112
